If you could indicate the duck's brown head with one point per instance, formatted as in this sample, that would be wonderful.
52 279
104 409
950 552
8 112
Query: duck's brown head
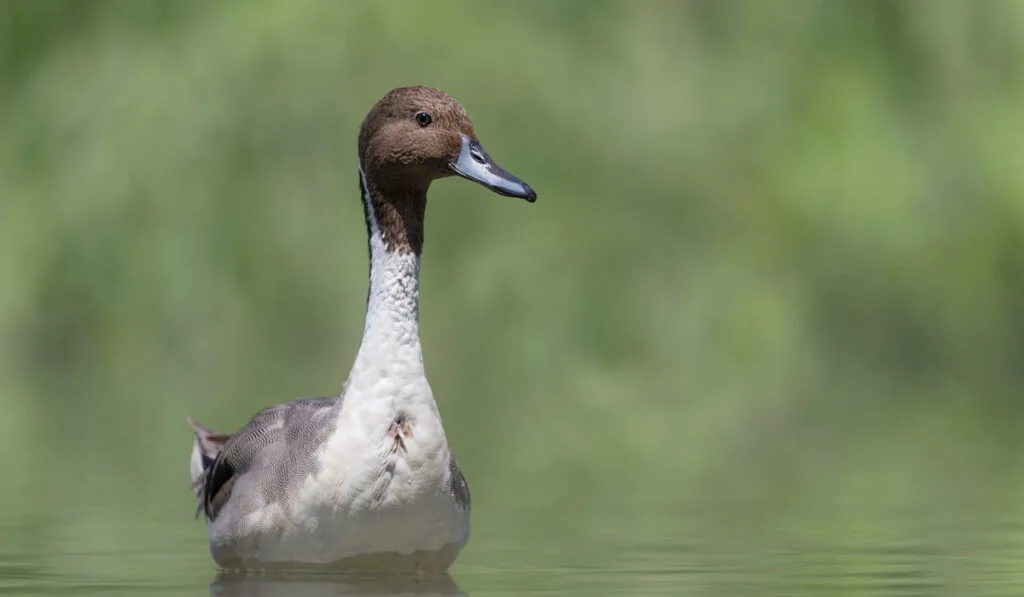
415 135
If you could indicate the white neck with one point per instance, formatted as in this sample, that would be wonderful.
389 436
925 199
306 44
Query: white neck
391 334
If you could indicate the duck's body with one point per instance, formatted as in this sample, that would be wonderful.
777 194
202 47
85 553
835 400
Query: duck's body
364 479
328 489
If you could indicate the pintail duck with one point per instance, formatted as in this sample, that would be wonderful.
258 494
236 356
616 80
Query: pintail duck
364 479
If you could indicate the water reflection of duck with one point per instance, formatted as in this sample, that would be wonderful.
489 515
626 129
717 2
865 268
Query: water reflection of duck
228 584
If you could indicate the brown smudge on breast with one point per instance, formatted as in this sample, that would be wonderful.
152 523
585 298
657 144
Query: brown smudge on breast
399 431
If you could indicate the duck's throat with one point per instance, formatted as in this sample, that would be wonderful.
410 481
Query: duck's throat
391 338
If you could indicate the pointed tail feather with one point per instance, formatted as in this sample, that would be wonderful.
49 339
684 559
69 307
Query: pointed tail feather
205 448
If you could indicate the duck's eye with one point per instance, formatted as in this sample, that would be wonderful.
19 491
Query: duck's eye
423 118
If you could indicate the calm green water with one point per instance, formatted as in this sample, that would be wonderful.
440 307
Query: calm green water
945 559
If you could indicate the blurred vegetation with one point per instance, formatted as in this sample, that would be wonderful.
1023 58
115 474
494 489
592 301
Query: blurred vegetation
773 285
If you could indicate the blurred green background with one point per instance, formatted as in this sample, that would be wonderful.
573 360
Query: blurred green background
770 300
